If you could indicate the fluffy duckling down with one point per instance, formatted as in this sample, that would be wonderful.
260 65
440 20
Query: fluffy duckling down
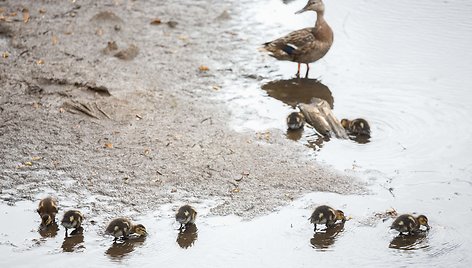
326 215
47 210
72 219
410 224
185 215
122 228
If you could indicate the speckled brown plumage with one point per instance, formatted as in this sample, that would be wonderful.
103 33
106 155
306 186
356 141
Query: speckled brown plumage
326 215
306 45
410 224
47 210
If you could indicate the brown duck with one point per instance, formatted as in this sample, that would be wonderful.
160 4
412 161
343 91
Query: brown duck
356 127
410 224
72 220
185 215
295 120
122 228
47 210
327 215
306 45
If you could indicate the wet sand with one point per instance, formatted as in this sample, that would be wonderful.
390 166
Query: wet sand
154 134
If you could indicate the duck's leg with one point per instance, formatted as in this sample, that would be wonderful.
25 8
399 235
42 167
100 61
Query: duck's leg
298 72
307 70
314 228
66 232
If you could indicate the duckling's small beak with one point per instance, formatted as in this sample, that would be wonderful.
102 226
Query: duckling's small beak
428 227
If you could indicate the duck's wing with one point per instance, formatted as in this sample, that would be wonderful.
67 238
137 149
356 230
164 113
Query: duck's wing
287 47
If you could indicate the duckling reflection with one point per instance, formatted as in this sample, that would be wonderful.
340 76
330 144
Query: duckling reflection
187 237
73 242
294 91
48 230
409 242
119 249
294 134
326 238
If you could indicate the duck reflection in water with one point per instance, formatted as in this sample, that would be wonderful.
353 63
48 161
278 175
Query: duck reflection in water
409 242
294 91
326 238
120 248
49 230
187 236
74 242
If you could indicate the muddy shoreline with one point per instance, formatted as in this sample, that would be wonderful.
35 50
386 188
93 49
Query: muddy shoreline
154 132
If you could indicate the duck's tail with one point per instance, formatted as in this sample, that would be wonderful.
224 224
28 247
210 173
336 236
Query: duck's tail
280 53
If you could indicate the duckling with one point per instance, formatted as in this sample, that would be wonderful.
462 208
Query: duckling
326 215
47 210
410 224
295 120
72 219
185 215
122 228
357 127
305 45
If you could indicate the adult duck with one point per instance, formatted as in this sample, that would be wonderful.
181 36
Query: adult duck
306 45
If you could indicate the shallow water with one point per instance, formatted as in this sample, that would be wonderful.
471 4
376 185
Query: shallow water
403 66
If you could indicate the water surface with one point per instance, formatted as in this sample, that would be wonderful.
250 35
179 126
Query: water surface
403 66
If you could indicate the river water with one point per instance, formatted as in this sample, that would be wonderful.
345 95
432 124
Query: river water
403 66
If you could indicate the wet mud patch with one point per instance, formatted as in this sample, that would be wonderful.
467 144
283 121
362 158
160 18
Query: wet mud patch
144 132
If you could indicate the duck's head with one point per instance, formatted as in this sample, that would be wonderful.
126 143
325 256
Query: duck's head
345 123
139 229
314 5
46 219
422 220
340 216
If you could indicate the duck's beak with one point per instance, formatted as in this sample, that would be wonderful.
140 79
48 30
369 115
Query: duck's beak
428 227
302 10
